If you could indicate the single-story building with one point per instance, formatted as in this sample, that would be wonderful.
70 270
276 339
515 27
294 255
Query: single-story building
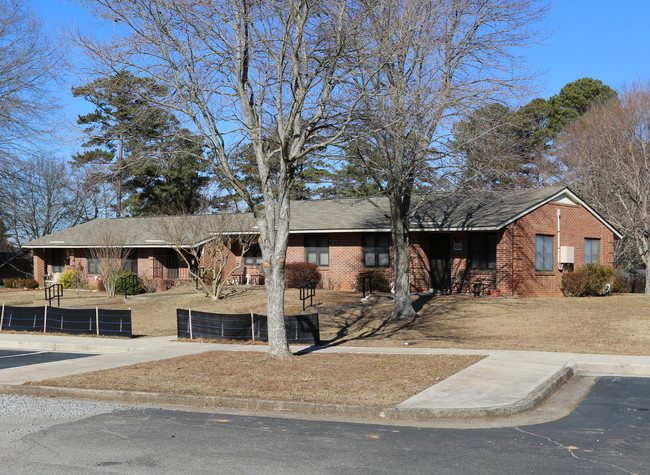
518 241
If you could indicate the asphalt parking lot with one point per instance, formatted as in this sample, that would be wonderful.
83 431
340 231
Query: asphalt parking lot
14 359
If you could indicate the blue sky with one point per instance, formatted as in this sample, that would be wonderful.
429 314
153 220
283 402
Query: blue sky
600 39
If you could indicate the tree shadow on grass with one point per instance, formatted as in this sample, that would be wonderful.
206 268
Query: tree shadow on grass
371 322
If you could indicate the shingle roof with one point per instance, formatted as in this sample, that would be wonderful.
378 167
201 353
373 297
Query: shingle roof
460 210
145 231
472 209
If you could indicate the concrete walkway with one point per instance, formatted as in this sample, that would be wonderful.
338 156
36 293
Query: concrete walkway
502 384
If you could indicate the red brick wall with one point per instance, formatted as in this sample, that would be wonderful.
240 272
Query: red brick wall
345 258
576 224
39 266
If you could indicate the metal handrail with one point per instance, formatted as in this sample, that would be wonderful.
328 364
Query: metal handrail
307 291
129 279
366 277
54 291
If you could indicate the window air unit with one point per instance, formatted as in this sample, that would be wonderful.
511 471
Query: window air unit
566 254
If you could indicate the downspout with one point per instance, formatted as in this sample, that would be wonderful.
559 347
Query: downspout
560 267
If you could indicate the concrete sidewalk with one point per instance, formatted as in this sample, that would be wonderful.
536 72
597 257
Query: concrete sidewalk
502 384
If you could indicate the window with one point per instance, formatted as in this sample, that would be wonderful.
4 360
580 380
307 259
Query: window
317 250
376 250
131 262
592 251
172 264
483 251
253 257
543 253
94 265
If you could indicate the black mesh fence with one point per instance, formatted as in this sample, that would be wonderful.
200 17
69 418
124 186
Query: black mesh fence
67 320
301 329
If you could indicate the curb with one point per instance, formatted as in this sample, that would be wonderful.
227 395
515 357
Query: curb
533 400
65 347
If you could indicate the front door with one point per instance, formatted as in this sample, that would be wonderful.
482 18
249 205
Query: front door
439 260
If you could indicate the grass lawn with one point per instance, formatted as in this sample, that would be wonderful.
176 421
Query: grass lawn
618 324
371 380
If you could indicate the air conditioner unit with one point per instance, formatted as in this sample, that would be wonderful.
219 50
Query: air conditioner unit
567 254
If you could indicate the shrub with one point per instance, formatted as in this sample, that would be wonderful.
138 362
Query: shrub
21 284
379 281
587 281
68 279
121 284
28 284
11 283
619 286
298 274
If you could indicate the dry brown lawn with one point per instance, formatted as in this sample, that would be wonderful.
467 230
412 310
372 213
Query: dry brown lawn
618 324
371 380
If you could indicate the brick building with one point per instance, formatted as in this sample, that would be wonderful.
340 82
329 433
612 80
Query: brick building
518 241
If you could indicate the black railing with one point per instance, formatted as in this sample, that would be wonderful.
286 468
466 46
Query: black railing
54 291
130 284
307 292
366 283
198 274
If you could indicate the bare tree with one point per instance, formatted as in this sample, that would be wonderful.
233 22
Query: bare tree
208 244
37 197
607 154
245 71
110 254
27 64
426 65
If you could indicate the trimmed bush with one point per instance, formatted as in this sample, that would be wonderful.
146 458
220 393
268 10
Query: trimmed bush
619 286
21 284
68 279
11 283
379 281
120 283
297 274
28 284
589 280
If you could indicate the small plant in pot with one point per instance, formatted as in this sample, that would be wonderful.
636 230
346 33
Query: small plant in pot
494 292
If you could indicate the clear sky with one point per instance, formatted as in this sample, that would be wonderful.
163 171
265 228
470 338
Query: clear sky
601 39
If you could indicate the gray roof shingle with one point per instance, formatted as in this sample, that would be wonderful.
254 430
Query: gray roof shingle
466 210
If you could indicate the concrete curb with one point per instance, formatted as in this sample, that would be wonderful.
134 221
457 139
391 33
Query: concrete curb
533 400
63 347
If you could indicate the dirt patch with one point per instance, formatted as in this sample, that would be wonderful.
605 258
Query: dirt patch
370 380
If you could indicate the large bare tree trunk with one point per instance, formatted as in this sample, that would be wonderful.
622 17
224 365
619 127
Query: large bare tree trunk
403 307
274 234
425 65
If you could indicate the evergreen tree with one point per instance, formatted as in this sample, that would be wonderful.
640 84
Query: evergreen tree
172 180
124 122
497 147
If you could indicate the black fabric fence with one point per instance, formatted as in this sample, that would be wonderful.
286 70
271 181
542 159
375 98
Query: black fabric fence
66 320
301 329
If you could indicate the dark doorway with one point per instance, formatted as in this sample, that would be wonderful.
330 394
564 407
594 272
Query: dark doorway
439 259
58 260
